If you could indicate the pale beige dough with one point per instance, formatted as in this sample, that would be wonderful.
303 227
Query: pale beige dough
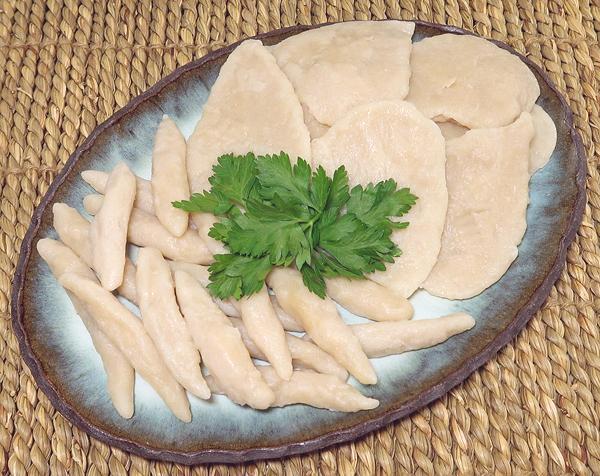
120 376
315 128
169 176
304 354
164 323
451 130
544 140
392 139
322 322
310 388
108 231
127 332
338 67
143 193
487 175
220 344
470 80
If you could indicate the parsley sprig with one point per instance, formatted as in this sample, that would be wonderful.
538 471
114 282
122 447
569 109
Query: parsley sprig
272 213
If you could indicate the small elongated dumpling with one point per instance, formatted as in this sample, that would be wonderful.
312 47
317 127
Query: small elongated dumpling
220 344
108 231
392 139
143 193
338 67
164 323
169 176
451 130
146 231
120 377
544 140
304 354
379 339
322 323
127 332
74 231
369 299
470 80
288 322
487 175
310 388
266 331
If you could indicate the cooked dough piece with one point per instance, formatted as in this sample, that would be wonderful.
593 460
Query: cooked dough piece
394 140
108 231
146 231
127 332
338 67
204 222
221 345
451 130
487 173
322 323
287 321
368 299
310 388
266 331
164 323
74 231
169 176
200 274
470 80
379 339
544 140
315 128
143 194
304 354
252 107
120 377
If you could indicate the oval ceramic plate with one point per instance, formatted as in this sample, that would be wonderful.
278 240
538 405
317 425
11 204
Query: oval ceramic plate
59 352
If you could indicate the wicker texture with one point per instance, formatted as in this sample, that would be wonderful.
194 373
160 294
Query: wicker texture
66 65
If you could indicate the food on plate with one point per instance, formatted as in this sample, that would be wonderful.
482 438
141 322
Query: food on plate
143 194
310 388
544 140
266 331
470 80
120 377
304 354
145 230
369 299
379 339
221 346
483 228
451 130
385 140
309 179
169 176
108 231
337 67
164 323
127 332
320 319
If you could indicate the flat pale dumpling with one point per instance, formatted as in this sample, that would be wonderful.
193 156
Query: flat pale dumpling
544 141
338 67
252 107
392 139
470 80
487 176
451 130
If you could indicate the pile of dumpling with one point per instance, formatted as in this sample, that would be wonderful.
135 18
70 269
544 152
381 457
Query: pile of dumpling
453 117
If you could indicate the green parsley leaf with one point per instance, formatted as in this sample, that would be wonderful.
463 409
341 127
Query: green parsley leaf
236 276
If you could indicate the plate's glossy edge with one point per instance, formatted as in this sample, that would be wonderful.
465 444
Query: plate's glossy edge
336 436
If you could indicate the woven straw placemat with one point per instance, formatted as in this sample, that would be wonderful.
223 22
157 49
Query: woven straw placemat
67 65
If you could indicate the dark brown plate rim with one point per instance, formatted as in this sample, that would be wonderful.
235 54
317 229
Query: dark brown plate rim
336 436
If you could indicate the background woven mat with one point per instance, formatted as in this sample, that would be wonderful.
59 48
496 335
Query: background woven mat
67 65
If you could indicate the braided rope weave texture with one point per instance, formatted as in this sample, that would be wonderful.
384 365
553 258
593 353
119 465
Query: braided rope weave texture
67 65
